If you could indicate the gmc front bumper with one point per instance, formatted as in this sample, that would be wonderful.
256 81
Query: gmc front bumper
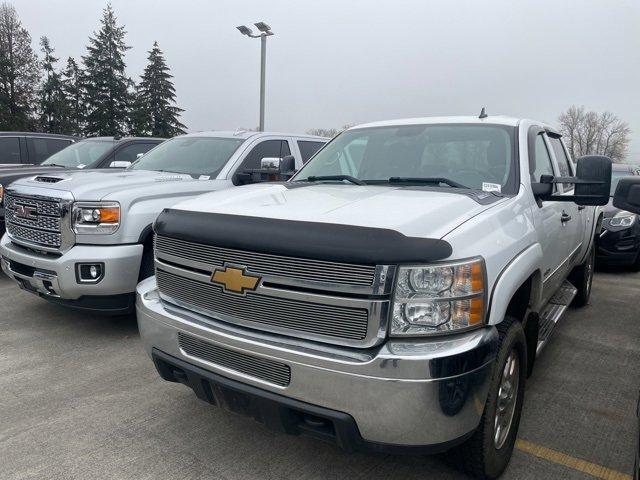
423 394
55 278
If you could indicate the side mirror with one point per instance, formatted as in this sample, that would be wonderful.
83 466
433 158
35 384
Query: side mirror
627 196
270 163
592 181
594 185
288 166
119 164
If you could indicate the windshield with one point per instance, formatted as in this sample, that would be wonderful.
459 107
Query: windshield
617 175
473 156
82 154
195 156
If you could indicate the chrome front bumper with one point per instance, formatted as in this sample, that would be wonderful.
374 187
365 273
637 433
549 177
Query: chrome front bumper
53 276
402 393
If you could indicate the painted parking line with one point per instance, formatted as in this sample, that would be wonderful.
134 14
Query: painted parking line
597 471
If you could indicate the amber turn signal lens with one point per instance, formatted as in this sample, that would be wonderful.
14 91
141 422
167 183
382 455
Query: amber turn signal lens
109 215
476 311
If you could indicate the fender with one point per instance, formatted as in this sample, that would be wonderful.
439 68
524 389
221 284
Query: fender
523 266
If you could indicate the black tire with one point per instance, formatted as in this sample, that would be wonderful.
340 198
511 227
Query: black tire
582 278
147 268
482 455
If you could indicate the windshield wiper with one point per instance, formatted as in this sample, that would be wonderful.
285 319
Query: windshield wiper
432 180
348 178
53 165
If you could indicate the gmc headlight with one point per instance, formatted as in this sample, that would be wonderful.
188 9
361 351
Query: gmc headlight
622 220
95 217
432 299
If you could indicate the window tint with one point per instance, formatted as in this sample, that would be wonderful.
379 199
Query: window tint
42 148
130 152
268 148
9 150
563 161
307 149
542 160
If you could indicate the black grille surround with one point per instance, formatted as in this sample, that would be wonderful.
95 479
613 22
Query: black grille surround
261 368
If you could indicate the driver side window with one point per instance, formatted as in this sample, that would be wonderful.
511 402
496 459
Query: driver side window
268 148
542 161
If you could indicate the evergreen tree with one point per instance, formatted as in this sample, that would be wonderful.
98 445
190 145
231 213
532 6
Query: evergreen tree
155 112
107 96
19 73
52 100
72 88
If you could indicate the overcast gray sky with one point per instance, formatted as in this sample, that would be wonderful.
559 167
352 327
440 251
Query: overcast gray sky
333 62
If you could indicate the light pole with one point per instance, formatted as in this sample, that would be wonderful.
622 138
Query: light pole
265 31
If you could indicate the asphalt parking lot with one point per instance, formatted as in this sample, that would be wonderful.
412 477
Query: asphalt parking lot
80 399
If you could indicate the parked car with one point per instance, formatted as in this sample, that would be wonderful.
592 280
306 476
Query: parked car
23 148
392 296
619 242
97 152
83 239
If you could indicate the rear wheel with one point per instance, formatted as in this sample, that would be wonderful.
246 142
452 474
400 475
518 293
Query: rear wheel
582 278
487 453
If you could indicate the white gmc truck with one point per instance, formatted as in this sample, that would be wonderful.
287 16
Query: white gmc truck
392 296
83 239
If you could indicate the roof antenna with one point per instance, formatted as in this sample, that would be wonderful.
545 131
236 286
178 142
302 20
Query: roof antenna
483 113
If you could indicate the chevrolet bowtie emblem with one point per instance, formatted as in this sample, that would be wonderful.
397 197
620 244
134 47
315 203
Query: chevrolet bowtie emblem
234 279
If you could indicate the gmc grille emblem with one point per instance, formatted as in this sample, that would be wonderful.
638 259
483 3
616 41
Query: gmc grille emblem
25 211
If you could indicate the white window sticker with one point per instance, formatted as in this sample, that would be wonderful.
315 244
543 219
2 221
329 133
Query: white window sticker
204 177
491 187
81 165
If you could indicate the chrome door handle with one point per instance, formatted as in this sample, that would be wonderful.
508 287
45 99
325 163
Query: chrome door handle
565 217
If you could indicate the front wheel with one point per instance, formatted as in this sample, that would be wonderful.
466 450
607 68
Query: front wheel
582 278
487 453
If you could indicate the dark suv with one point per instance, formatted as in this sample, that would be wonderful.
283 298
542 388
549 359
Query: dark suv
97 152
19 148
619 242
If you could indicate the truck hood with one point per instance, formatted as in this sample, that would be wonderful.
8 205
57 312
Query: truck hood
92 185
412 211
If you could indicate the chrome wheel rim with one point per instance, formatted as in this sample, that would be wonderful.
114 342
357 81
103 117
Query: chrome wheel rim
507 398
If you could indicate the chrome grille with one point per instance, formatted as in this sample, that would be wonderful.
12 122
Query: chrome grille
267 264
260 368
44 230
329 321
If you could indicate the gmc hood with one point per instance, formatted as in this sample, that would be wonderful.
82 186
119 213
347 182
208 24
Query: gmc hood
92 185
412 211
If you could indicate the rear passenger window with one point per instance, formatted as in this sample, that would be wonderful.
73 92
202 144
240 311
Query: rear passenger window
563 161
541 161
9 150
308 149
42 148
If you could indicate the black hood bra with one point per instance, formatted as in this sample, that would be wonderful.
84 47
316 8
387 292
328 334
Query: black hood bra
314 240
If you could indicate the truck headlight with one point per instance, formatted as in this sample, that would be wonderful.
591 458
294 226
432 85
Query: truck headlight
431 299
622 220
95 217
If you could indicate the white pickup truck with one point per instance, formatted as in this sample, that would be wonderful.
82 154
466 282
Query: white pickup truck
392 296
83 239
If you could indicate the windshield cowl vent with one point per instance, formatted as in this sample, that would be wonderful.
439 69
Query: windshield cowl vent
45 179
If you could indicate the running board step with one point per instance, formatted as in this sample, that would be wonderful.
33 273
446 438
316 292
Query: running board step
553 311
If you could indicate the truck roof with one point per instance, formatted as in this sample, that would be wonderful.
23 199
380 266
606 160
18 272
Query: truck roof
120 139
245 134
490 119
